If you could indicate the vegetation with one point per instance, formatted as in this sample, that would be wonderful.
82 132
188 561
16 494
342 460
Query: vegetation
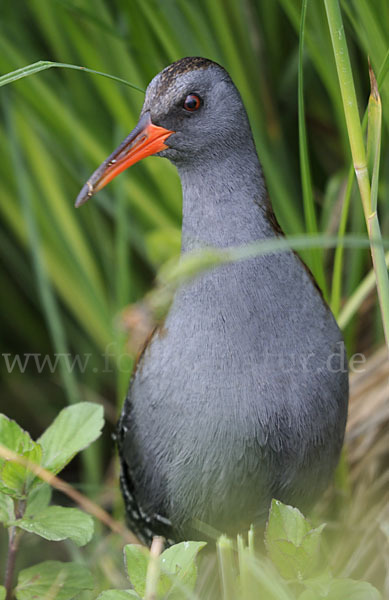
28 468
68 276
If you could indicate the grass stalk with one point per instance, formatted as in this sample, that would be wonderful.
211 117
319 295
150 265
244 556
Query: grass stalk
374 109
349 98
381 272
358 297
336 287
374 138
225 554
306 181
245 561
153 569
43 65
47 296
358 152
48 300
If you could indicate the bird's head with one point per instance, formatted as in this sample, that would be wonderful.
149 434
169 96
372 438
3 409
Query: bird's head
192 113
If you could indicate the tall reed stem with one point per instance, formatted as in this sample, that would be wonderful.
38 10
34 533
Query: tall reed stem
369 200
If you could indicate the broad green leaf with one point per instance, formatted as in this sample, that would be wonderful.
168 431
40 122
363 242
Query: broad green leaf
286 523
294 562
179 557
16 479
179 560
6 509
53 579
352 590
292 544
118 595
59 523
137 560
38 499
343 589
13 437
74 429
2 592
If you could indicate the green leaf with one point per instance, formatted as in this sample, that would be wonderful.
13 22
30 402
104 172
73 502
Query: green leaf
53 579
6 509
343 589
59 523
178 568
17 478
321 583
179 561
13 437
3 592
137 560
42 65
286 523
292 544
118 595
38 499
74 429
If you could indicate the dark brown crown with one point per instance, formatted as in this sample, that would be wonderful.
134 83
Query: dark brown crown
184 65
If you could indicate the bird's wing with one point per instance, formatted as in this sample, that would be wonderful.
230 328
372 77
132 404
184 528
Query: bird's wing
144 525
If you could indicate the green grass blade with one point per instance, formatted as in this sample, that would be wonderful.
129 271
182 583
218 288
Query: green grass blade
356 300
346 83
226 567
374 138
46 294
381 271
337 275
309 206
43 65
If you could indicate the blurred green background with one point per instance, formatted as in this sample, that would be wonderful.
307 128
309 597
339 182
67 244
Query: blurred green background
66 274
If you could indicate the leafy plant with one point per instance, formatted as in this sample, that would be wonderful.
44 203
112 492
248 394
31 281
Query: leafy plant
25 499
171 575
293 570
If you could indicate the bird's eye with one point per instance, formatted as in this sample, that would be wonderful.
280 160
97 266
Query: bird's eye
192 102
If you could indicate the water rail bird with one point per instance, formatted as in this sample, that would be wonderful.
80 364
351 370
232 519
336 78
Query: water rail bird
242 396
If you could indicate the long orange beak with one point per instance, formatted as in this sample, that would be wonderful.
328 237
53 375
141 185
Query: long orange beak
144 140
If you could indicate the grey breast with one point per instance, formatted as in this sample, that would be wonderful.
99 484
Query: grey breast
240 397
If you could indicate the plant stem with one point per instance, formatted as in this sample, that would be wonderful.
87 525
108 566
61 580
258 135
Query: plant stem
349 98
14 535
358 152
336 288
9 569
358 296
153 569
381 272
226 567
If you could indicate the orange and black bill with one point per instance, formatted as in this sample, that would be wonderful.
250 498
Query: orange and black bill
144 140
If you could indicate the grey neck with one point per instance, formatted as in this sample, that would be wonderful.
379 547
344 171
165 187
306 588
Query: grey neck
224 202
